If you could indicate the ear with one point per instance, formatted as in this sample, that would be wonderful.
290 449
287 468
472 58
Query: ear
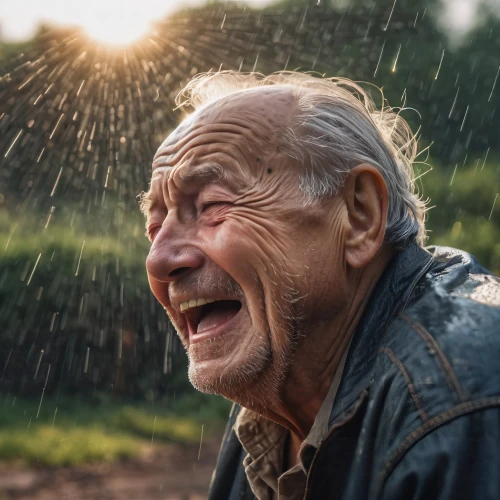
366 198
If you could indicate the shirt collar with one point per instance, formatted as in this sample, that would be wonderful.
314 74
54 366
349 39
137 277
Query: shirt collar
264 442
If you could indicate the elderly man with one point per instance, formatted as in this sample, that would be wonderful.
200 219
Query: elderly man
286 249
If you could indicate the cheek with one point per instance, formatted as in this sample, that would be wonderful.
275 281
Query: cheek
238 248
253 257
239 251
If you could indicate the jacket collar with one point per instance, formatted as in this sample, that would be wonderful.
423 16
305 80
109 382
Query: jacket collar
390 296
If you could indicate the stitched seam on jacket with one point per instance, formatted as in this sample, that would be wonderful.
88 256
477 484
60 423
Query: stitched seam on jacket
429 426
445 364
411 388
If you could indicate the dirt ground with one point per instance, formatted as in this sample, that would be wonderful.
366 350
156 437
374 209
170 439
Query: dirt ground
168 472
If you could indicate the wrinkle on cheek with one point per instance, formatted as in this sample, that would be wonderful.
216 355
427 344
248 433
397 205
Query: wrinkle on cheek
336 234
262 232
265 255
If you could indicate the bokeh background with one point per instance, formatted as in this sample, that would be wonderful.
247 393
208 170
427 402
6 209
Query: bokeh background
94 397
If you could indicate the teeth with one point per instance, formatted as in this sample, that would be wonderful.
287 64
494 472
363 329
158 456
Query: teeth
188 304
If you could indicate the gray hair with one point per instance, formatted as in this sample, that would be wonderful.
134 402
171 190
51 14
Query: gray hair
340 127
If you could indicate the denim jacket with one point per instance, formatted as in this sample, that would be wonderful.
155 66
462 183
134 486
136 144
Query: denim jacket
417 414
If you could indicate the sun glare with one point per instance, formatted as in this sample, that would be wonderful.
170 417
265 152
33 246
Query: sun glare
115 22
120 30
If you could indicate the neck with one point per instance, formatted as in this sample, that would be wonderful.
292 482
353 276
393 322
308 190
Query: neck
318 358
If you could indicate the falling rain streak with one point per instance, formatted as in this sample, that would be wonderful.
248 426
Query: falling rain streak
13 142
439 67
43 391
454 102
153 433
379 59
79 259
494 84
396 60
201 440
34 269
493 207
390 15
465 116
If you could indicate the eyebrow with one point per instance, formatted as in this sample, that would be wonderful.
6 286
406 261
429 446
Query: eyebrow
205 170
146 199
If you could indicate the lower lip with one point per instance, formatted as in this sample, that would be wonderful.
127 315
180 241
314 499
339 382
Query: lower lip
215 331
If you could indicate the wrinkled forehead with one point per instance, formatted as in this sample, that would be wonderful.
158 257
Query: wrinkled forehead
260 113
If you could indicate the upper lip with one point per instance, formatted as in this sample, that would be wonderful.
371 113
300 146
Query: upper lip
193 313
178 303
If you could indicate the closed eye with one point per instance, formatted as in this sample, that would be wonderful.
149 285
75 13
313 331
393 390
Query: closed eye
214 212
210 204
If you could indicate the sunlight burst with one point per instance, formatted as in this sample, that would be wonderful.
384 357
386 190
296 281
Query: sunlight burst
117 30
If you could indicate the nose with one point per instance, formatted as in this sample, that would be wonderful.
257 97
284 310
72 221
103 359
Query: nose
172 254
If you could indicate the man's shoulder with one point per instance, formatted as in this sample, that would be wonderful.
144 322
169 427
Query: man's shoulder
448 338
438 365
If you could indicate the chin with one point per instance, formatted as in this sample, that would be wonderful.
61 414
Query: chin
241 377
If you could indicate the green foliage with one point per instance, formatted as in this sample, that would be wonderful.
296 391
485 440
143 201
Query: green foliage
21 239
462 214
77 290
13 49
78 433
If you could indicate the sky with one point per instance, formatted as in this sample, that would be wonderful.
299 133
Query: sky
123 20
458 17
120 19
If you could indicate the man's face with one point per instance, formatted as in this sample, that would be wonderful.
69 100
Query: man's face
228 227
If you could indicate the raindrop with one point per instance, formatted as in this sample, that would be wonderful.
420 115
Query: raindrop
201 439
440 63
396 60
80 258
379 59
390 15
494 84
153 433
43 391
34 268
492 208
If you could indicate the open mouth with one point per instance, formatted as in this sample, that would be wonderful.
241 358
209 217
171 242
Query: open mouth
206 317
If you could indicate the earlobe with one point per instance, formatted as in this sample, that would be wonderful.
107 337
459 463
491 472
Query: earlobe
366 198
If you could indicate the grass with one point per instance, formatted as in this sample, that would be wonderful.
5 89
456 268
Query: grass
57 447
77 433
